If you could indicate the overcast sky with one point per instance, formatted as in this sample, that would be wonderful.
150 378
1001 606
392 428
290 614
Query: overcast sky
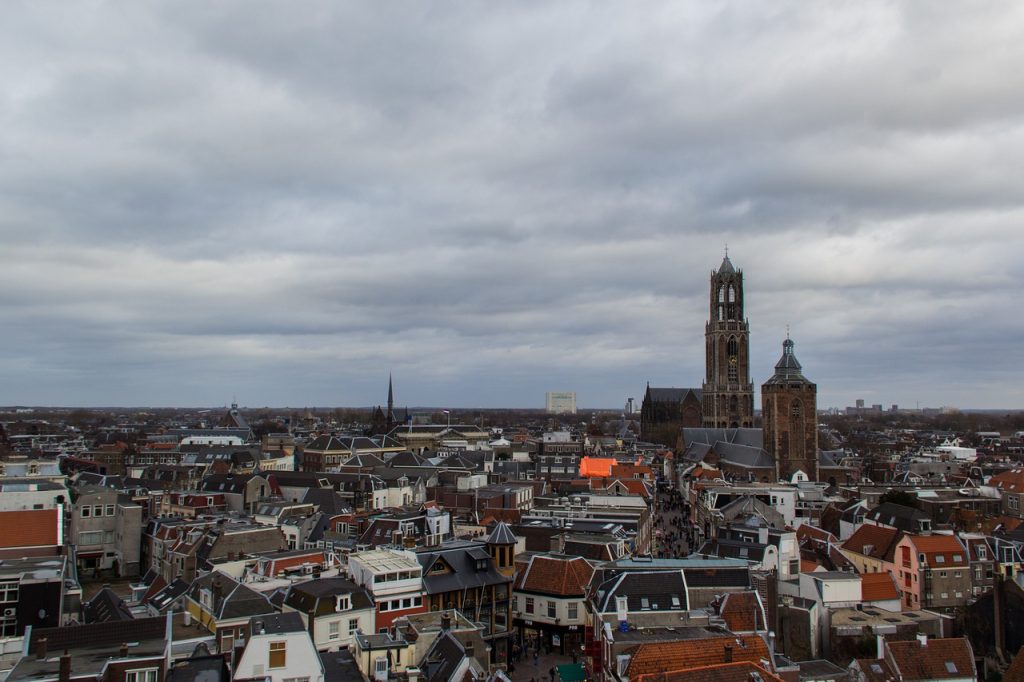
284 202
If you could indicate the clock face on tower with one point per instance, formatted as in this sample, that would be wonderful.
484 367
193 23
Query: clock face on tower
733 360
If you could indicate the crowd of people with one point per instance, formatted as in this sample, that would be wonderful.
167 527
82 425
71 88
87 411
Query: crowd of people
672 527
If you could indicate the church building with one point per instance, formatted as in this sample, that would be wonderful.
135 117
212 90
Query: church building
789 416
728 394
726 399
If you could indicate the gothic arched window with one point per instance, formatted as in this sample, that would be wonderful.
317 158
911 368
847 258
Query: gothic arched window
732 294
796 408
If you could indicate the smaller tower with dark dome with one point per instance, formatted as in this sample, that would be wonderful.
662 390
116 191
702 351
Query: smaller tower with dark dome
789 405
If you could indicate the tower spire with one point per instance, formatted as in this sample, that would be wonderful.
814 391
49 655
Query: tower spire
391 402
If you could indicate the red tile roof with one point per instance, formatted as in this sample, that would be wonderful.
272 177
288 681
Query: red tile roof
560 576
946 546
882 541
667 657
743 671
875 670
808 531
1010 481
743 612
30 528
878 587
937 660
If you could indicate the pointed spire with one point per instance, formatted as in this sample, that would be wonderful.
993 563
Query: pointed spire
391 402
726 268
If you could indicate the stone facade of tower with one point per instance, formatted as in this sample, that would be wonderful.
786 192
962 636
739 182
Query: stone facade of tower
727 399
789 408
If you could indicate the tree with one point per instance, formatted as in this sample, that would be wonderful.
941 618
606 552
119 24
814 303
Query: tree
900 497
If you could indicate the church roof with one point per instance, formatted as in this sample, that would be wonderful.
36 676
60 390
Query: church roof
673 395
710 436
788 369
726 266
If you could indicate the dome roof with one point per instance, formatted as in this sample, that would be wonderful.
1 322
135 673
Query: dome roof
787 369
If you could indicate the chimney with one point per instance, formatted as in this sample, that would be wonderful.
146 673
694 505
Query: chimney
922 639
41 649
727 654
65 667
468 646
218 591
446 621
124 650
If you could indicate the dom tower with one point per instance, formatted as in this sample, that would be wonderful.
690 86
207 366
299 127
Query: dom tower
728 394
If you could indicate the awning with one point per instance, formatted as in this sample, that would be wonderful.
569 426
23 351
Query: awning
571 672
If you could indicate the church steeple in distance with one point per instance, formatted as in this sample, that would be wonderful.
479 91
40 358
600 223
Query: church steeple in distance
728 394
391 404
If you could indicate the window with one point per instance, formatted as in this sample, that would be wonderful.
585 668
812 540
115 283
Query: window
86 512
353 625
90 537
227 640
9 591
940 558
957 558
110 510
796 408
981 554
278 654
343 602
551 609
97 510
573 610
142 675
334 630
529 604
942 574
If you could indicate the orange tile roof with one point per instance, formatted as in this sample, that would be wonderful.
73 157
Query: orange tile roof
929 662
665 657
744 671
743 612
555 575
878 587
946 545
594 466
1010 481
808 566
29 528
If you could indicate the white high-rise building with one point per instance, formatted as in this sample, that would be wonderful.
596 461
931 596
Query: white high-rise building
560 402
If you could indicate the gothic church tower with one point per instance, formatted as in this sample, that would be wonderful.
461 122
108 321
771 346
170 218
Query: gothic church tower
728 394
789 405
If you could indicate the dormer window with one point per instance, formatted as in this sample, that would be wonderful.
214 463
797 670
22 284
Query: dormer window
344 602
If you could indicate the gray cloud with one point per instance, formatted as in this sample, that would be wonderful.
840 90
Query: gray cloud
490 202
